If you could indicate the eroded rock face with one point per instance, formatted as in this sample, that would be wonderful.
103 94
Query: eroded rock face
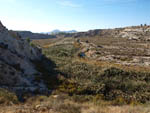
16 67
135 33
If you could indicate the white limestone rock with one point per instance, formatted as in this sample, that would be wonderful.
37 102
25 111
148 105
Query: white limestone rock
16 67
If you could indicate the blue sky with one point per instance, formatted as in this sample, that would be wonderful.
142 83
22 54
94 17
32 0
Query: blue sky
81 15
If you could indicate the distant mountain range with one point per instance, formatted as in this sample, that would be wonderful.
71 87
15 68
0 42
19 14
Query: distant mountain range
57 31
29 34
43 35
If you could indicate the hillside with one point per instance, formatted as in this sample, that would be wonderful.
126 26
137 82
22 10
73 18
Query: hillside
93 73
105 67
134 32
105 75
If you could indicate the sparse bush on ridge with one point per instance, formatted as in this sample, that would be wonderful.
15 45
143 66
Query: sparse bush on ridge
28 39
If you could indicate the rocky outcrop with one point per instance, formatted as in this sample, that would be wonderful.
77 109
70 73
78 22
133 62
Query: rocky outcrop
17 72
136 33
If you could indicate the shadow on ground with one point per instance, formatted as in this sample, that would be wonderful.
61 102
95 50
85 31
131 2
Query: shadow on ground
48 74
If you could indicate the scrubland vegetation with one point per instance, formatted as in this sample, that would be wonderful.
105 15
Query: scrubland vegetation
107 82
82 85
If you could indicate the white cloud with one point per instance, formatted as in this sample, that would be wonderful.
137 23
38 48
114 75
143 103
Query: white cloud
68 3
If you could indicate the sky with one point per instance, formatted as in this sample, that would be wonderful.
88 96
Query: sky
80 15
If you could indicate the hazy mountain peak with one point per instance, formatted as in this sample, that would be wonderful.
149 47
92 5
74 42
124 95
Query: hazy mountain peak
56 31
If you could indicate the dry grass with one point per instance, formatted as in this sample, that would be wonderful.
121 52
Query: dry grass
121 46
107 64
7 97
45 42
59 104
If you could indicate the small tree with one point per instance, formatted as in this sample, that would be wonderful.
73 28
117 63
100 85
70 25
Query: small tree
28 40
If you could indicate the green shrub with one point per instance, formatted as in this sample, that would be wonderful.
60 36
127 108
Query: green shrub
31 44
119 101
28 39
